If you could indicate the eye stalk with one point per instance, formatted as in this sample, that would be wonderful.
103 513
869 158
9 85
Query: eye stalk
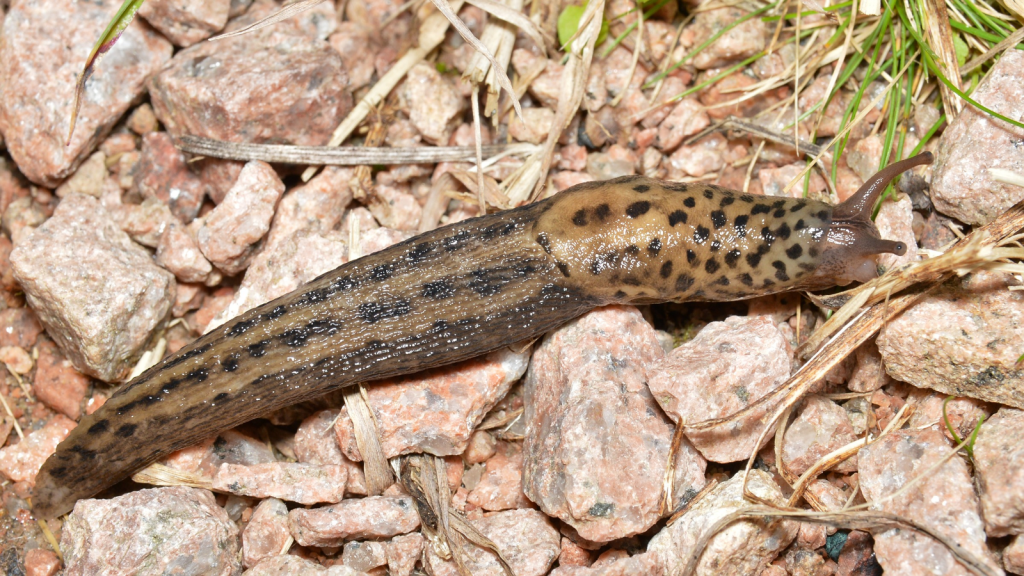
852 240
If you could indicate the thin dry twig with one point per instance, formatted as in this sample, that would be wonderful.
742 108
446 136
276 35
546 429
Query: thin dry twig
284 13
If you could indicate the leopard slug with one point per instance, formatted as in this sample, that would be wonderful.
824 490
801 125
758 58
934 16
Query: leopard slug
466 289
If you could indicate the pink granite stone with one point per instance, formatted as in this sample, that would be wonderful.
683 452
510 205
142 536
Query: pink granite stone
294 482
281 84
1013 556
142 120
43 47
774 181
155 531
998 459
403 552
895 222
316 443
40 562
686 119
266 533
227 234
57 384
354 519
357 48
526 538
501 487
435 411
20 462
744 547
433 103
821 427
572 554
179 253
975 142
738 43
163 174
98 293
16 359
702 157
944 500
482 446
963 338
186 22
533 127
725 368
89 178
617 161
317 205
963 413
145 222
364 556
19 327
868 373
606 480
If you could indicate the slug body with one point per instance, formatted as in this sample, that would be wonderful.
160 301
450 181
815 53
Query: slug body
464 290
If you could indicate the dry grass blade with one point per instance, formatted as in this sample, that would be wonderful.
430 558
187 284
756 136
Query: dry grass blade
756 130
859 520
7 408
159 475
940 40
375 464
1007 176
336 156
445 8
1008 43
283 14
513 15
432 32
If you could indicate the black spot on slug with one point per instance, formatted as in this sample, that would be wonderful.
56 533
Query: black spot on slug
812 252
563 268
794 251
438 290
498 230
638 209
580 217
199 375
747 198
716 245
760 209
419 252
632 249
602 211
746 279
722 281
458 240
100 427
242 327
799 225
783 231
684 282
718 219
731 257
779 213
711 266
641 188
708 193
798 206
753 259
295 337
258 349
691 257
654 247
126 430
700 235
230 363
689 202
780 270
767 236
220 396
677 217
666 269
382 272
544 242
822 214
726 201
276 313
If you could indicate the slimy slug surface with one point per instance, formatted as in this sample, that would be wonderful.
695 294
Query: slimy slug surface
466 289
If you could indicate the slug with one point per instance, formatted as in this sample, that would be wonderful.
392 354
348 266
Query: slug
466 289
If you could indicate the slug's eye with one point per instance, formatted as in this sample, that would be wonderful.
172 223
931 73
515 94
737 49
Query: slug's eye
899 249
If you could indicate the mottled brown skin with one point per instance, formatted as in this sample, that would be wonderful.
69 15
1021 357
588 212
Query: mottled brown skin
464 290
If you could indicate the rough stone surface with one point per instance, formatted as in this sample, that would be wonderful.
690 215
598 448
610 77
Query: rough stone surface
354 519
186 22
895 222
533 127
527 541
402 553
357 49
686 119
963 339
501 486
145 222
40 562
725 368
364 556
280 84
1013 556
435 411
179 253
743 547
596 444
227 234
944 501
19 327
316 443
738 43
163 174
157 531
291 481
43 47
23 460
266 533
99 295
961 184
57 384
88 179
999 463
433 103
821 427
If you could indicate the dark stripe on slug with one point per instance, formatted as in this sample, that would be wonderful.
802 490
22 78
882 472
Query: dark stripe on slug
382 272
100 427
242 327
563 268
199 375
373 312
258 349
641 188
126 430
276 313
438 290
638 209
498 230
419 252
220 396
295 337
185 357
456 241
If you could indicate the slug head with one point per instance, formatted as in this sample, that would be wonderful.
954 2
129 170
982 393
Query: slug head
852 240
